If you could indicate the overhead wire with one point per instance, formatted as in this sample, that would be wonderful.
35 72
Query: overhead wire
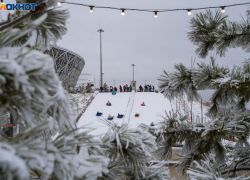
155 11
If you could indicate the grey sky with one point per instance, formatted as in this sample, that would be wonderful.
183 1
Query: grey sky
152 44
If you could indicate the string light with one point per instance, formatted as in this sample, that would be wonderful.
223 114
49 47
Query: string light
156 14
123 12
155 10
223 10
91 9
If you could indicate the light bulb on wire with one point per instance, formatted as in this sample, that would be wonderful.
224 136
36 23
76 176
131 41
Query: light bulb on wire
189 12
91 9
156 14
223 10
123 12
59 3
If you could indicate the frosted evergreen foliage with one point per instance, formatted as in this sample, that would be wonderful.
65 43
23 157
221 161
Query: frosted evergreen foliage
49 30
211 30
201 141
48 145
209 169
179 83
204 154
230 85
131 149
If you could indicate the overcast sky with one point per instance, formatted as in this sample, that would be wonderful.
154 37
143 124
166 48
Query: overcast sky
152 44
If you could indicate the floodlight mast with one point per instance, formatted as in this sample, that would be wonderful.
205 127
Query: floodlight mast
133 71
100 30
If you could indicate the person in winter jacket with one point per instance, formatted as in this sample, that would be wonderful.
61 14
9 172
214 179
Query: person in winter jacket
124 88
109 116
130 87
153 88
120 88
150 88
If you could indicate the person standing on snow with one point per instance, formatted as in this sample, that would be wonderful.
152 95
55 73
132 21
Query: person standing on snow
120 88
130 87
153 89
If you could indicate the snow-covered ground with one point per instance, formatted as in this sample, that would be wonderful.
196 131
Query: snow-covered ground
119 104
156 104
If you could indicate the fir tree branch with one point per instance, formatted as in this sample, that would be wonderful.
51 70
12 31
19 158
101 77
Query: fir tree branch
245 168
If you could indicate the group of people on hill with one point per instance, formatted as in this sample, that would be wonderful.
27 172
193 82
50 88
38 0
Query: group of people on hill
147 88
125 88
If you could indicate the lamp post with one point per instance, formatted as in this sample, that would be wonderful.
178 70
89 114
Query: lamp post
133 71
100 30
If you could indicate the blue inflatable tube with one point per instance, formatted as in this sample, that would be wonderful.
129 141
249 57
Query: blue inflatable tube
110 118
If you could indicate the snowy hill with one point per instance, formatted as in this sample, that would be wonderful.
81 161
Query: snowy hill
155 104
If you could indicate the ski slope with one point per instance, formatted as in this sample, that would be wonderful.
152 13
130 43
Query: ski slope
119 104
155 104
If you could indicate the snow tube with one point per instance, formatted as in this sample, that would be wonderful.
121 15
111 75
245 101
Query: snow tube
120 116
113 94
110 118
143 105
108 105
98 114
137 115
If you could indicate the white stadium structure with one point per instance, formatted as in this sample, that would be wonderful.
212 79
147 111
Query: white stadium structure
68 65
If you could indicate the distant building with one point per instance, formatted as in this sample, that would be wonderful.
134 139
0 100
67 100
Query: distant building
68 65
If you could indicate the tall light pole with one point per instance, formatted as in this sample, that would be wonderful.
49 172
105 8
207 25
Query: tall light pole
100 30
133 71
